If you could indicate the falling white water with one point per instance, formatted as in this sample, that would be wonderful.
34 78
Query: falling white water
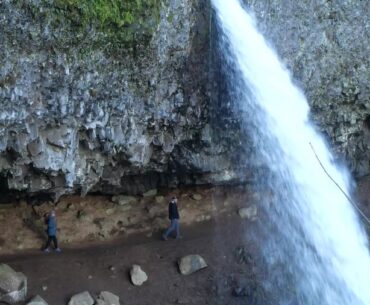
326 244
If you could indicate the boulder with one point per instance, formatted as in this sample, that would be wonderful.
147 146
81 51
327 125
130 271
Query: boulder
155 210
37 300
110 211
191 263
13 285
81 214
83 298
159 199
123 200
248 213
196 197
138 276
150 193
107 298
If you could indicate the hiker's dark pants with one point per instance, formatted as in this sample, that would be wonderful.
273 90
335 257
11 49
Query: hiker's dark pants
52 239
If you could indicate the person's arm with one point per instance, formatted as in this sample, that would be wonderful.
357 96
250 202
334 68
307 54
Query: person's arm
170 211
176 211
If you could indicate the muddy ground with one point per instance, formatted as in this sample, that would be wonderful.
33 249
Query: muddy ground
105 266
211 228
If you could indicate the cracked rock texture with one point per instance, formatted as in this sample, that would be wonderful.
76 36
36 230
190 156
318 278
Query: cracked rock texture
85 109
326 45
97 102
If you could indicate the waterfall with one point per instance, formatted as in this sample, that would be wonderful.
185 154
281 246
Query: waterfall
311 233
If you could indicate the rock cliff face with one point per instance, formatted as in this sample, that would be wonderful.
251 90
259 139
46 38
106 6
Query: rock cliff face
120 98
326 45
106 99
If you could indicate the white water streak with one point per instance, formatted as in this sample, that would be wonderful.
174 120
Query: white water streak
328 220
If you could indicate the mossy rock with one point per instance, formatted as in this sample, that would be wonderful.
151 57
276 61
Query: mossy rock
120 25
109 14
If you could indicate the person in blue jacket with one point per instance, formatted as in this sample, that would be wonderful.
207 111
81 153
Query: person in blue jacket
51 230
173 215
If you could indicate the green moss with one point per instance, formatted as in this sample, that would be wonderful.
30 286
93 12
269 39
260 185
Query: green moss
124 25
110 15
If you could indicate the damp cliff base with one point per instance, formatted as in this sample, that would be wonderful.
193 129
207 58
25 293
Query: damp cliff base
100 219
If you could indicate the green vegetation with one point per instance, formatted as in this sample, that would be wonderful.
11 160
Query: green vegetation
110 15
123 25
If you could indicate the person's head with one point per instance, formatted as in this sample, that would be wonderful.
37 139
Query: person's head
52 213
174 199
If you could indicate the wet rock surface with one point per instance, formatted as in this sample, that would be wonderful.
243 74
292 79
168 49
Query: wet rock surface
249 212
83 298
13 285
326 45
107 298
191 263
138 275
37 300
84 110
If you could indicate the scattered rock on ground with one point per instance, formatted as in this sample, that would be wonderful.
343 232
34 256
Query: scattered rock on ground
159 223
191 263
138 276
23 204
70 207
81 214
242 255
123 200
249 289
248 213
37 300
13 285
155 210
150 193
110 211
107 298
83 298
196 197
159 199
240 292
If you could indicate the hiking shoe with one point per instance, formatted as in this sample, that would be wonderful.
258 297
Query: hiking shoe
178 237
58 250
46 250
164 238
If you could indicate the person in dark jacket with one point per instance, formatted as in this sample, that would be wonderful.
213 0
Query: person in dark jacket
51 230
173 215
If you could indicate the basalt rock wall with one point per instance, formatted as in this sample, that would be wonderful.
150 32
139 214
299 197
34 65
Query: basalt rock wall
126 96
110 99
326 46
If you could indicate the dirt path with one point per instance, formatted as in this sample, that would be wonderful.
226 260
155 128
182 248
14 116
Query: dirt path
56 277
105 265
